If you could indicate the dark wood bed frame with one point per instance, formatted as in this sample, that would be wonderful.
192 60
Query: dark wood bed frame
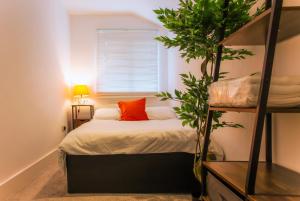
134 173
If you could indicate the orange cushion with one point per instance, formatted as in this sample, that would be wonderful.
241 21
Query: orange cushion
133 110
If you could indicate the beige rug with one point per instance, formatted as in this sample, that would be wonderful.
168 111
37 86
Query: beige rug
51 186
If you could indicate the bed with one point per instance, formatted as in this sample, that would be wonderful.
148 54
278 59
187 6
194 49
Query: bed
112 156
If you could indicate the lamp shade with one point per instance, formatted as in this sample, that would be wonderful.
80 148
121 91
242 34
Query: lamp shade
81 90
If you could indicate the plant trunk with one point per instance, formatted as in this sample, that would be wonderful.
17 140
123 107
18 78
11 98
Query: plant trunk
200 130
204 66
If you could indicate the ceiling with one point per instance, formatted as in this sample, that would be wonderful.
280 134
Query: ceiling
143 8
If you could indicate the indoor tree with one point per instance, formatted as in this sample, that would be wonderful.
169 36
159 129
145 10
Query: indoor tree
195 28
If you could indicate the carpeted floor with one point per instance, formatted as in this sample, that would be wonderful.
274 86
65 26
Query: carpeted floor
51 186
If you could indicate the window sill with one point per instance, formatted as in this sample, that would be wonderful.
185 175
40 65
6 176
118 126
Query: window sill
126 95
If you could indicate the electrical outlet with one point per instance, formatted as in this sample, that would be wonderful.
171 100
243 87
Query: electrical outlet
64 129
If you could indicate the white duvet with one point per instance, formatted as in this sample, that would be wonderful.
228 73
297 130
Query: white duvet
243 92
103 137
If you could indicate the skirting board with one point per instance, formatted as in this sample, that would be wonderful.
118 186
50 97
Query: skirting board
22 178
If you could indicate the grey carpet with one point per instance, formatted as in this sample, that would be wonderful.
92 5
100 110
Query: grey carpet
51 186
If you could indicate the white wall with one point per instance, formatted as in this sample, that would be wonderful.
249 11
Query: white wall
140 7
236 142
286 126
33 60
84 47
178 65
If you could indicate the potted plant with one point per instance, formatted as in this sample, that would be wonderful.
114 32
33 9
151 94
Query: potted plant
195 26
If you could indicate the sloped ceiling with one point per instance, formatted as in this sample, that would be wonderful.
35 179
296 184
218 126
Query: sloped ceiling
143 8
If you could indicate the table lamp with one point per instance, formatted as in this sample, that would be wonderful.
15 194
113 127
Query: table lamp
80 91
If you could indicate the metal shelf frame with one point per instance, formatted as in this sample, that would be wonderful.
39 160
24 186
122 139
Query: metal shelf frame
262 113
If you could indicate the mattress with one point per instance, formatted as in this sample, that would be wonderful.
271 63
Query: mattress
243 92
105 137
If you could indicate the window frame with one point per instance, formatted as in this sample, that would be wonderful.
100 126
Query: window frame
128 94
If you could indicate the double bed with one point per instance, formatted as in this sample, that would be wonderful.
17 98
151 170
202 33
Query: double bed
112 156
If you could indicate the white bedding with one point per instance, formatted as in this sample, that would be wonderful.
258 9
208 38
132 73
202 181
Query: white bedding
243 92
102 137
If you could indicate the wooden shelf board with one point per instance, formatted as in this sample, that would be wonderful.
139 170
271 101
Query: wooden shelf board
255 31
284 110
233 109
271 179
253 110
273 198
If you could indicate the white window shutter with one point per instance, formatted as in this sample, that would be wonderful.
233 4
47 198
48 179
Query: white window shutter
127 61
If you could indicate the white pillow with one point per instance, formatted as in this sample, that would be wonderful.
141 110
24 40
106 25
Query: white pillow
160 113
107 114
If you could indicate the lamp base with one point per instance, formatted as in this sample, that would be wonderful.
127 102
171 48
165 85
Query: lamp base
81 101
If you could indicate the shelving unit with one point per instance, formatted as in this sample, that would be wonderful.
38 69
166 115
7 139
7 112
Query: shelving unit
253 180
254 33
270 177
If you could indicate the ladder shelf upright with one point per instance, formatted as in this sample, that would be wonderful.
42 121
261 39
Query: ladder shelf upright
253 180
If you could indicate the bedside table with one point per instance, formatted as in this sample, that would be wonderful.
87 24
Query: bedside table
76 121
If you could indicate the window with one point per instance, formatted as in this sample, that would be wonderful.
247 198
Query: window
127 61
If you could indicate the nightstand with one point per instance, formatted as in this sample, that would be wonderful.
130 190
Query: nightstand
76 119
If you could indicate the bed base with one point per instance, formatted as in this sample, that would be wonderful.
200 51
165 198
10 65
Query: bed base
137 173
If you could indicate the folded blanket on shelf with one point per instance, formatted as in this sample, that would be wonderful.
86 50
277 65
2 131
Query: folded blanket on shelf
255 78
243 92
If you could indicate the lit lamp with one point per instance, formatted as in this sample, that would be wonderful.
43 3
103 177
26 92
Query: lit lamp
81 91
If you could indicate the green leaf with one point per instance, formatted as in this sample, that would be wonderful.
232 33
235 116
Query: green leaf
196 25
